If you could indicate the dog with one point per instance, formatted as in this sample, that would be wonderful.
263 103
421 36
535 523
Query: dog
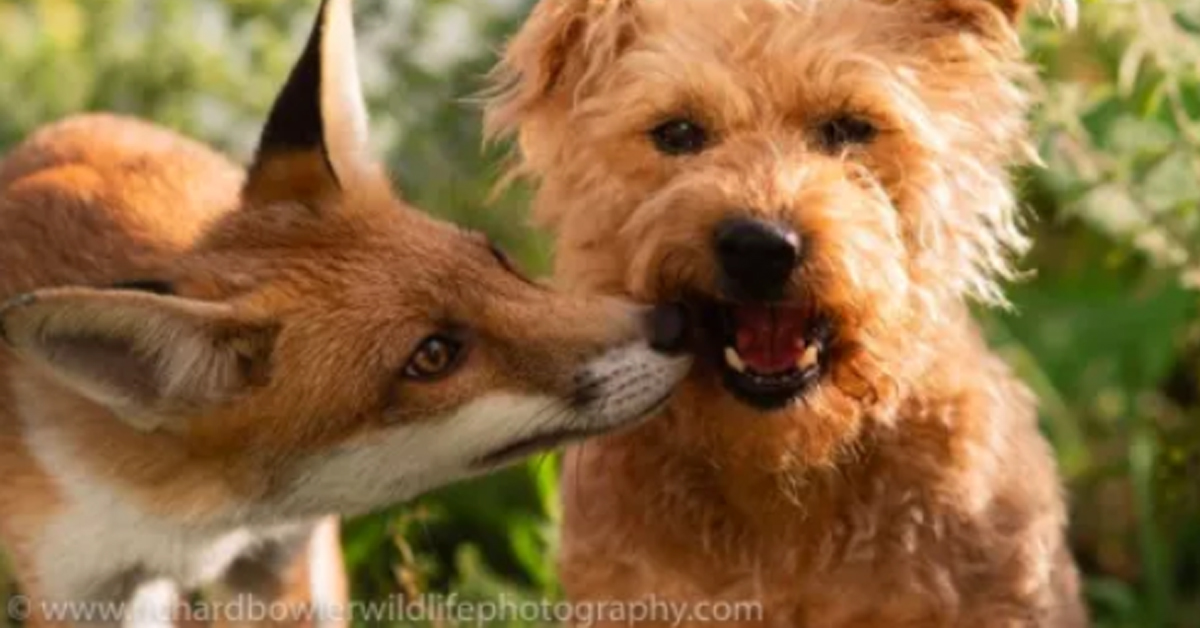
825 185
200 364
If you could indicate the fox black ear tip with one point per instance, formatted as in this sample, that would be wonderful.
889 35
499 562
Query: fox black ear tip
297 121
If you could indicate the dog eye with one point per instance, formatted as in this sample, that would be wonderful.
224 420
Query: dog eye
436 357
845 130
679 137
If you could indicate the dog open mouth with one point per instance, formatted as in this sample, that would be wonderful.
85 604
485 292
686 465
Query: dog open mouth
768 354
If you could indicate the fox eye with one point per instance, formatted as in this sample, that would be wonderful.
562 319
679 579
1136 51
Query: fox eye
679 136
436 357
845 130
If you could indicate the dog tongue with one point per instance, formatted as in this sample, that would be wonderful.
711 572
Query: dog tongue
770 339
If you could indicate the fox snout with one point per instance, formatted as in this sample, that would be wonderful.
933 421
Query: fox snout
635 379
621 384
667 328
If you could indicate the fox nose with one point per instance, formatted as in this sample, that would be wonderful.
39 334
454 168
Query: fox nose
667 328
756 258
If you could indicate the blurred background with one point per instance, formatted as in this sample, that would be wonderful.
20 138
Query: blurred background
1106 327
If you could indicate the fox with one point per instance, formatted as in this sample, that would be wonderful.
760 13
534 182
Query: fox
203 366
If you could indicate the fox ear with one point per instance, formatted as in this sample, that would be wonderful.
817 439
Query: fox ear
150 359
552 53
316 135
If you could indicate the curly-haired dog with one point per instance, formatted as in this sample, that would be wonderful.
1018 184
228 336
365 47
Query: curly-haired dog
824 183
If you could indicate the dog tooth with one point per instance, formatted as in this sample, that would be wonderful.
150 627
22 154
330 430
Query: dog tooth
734 360
808 359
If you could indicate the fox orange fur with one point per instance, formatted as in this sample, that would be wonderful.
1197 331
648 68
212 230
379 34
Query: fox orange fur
825 184
200 365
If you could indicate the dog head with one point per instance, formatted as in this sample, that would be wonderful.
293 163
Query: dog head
824 182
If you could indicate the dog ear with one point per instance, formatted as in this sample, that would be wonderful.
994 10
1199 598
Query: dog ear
560 42
981 15
1011 9
151 359
315 139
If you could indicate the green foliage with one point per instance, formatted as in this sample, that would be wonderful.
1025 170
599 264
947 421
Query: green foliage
1107 332
1121 126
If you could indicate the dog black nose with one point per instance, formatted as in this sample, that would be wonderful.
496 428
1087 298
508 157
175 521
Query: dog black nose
756 257
668 328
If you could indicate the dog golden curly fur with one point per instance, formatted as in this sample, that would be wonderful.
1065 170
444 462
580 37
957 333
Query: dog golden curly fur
825 184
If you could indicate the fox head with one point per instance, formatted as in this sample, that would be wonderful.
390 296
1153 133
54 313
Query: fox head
326 348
